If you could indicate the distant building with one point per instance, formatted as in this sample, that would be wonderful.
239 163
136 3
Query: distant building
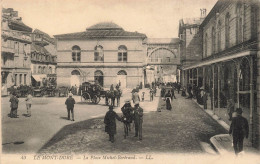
190 43
163 59
15 50
105 54
43 59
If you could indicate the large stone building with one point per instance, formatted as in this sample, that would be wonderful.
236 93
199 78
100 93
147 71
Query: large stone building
105 53
190 42
15 50
163 60
230 61
43 59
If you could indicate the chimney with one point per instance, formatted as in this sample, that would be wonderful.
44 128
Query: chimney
203 13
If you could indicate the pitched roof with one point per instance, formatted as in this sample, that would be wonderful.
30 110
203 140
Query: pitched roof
39 49
18 25
45 35
102 30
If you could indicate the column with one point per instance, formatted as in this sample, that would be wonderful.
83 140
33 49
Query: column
251 101
213 89
238 68
218 67
197 76
204 77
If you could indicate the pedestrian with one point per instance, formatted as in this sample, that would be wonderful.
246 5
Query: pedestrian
135 97
168 100
14 105
189 91
110 123
205 98
28 104
70 101
111 87
151 94
178 87
239 129
172 93
138 120
183 92
230 108
143 96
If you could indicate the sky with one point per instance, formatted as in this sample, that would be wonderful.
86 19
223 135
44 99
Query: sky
155 18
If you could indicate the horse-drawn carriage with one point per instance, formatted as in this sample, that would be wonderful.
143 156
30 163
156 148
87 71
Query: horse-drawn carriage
91 92
38 91
94 92
51 91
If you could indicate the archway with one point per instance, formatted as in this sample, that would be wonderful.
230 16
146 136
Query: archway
75 78
99 78
121 78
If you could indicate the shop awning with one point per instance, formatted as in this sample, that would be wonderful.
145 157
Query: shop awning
39 77
222 59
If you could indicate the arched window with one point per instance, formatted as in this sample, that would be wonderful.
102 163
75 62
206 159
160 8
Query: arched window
39 69
122 53
206 45
213 37
76 54
219 36
227 30
99 53
239 23
75 72
43 69
50 70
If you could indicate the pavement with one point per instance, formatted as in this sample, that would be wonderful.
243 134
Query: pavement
186 129
223 142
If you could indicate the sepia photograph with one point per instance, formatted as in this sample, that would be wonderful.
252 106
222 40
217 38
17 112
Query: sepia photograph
123 81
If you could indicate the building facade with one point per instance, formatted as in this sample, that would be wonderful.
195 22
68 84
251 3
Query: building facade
190 42
104 54
43 59
163 60
229 65
15 50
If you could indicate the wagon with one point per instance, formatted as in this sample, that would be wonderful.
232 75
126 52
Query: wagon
92 92
38 92
50 90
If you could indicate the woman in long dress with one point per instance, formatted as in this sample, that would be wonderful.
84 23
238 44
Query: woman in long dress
168 100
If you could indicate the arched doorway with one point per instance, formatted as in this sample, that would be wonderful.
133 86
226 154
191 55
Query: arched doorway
75 78
121 78
99 78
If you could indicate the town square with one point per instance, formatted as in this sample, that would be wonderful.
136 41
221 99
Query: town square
162 77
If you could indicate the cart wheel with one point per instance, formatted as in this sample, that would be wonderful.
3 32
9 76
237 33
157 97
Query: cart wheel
98 100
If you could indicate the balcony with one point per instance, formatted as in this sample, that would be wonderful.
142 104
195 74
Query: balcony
7 49
16 35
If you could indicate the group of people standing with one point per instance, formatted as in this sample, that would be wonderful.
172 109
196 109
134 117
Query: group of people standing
14 101
129 114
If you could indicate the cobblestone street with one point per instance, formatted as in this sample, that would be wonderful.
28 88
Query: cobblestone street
187 128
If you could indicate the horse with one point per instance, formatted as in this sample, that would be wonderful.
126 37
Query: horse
111 96
127 118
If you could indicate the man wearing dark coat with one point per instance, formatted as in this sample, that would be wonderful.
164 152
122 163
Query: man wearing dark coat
110 123
172 93
14 105
70 106
138 120
168 98
239 130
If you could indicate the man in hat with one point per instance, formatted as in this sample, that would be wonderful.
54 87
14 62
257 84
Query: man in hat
136 98
70 101
14 105
127 111
138 120
110 123
239 130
